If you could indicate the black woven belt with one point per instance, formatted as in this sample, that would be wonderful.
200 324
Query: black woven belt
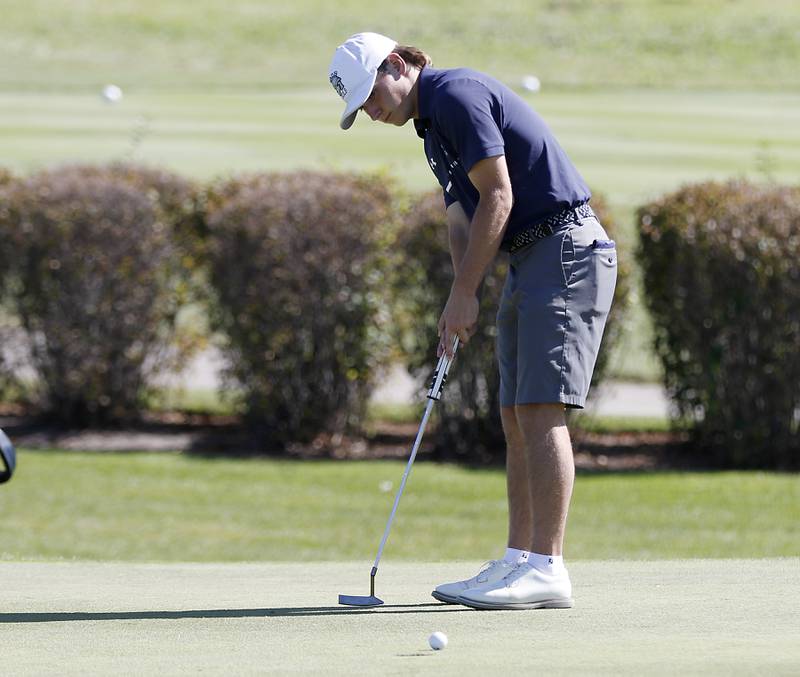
549 226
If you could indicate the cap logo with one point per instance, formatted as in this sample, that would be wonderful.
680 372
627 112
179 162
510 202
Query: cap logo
338 85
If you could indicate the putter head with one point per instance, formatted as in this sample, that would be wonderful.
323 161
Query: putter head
8 458
360 600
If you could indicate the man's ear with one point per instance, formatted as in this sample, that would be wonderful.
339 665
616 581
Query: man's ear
396 65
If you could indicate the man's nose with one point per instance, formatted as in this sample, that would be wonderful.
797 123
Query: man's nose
372 110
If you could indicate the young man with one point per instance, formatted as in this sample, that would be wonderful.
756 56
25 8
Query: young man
507 186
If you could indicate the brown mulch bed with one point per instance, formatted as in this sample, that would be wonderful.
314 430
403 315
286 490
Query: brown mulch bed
223 436
631 451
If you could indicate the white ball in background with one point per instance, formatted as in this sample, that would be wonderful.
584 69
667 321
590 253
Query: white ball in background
112 93
531 83
438 641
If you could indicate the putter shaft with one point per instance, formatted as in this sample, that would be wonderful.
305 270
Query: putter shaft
434 394
420 432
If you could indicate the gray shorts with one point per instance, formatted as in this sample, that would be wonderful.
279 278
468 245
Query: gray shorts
552 314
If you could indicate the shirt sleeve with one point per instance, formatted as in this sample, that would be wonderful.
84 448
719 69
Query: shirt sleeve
469 117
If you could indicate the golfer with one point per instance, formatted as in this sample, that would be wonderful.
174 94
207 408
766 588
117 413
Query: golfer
507 186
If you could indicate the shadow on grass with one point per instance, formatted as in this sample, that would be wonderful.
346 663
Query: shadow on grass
280 612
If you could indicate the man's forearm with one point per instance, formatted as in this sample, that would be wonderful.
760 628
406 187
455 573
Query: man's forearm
485 235
458 234
459 237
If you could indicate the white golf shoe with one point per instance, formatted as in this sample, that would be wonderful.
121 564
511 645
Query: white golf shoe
491 572
524 588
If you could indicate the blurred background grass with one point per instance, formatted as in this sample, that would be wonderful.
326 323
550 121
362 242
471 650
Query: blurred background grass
69 44
645 95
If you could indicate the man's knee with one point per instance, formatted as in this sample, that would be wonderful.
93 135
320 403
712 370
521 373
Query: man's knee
508 413
511 429
540 414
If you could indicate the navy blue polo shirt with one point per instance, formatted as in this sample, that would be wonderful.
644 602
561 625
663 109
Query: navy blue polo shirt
466 116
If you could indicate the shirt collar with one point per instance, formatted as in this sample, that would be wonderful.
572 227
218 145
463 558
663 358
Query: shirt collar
425 84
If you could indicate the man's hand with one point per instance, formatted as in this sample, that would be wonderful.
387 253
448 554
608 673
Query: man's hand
460 316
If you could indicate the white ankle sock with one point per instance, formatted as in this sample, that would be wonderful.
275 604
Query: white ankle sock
515 556
547 564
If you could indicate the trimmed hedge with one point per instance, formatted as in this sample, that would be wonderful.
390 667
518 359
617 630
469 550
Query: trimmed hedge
470 427
298 262
93 274
720 263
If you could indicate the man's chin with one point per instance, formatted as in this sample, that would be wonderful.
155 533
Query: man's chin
395 120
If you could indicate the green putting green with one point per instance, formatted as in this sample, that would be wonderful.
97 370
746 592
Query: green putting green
659 617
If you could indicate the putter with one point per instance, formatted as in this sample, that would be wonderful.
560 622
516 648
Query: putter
434 394
8 457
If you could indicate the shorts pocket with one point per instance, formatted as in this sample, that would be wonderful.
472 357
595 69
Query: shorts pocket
604 256
567 257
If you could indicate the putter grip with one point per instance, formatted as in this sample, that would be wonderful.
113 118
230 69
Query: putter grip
440 373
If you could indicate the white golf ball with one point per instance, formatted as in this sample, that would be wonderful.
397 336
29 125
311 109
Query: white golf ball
112 93
531 83
438 640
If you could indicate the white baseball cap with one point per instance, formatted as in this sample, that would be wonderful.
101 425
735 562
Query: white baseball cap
354 68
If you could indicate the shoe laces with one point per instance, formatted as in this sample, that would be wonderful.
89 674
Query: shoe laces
517 571
488 567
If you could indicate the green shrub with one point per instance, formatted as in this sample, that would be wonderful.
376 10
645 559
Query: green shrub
93 276
181 201
470 427
178 198
297 263
721 272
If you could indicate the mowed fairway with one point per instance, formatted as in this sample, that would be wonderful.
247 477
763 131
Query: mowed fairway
632 145
662 617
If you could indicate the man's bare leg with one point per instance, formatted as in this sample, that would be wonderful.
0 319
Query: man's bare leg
551 473
520 507
520 517
542 582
